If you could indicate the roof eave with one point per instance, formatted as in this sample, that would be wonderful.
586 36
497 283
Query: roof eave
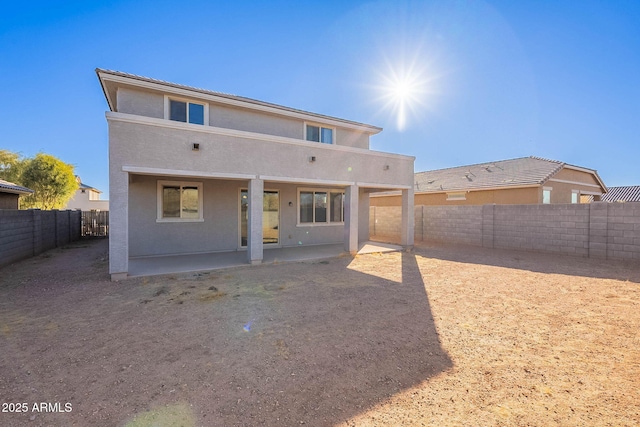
15 191
591 171
106 76
470 189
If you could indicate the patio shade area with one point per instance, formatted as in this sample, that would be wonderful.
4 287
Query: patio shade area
151 266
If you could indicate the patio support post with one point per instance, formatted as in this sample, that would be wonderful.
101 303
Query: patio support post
119 230
351 197
408 219
254 222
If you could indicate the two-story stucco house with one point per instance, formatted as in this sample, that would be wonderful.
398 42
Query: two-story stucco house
87 198
194 171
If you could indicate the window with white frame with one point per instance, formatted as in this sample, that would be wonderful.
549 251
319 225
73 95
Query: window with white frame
181 110
179 201
460 195
320 207
317 133
546 195
575 196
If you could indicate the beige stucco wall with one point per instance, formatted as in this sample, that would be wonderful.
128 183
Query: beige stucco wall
140 102
148 103
168 145
82 202
161 144
560 193
579 181
240 147
221 211
500 197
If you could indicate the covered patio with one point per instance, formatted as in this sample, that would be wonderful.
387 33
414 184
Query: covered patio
166 264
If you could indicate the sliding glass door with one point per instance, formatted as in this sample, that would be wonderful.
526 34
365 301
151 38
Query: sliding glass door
270 217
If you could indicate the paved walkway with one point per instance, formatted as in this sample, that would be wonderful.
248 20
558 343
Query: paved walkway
150 266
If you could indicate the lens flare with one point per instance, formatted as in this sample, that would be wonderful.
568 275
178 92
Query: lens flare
403 88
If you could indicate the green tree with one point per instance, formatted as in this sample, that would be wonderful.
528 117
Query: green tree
10 166
52 180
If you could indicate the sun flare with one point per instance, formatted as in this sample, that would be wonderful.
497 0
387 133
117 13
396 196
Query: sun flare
403 90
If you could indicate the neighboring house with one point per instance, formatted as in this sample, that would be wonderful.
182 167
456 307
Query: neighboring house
622 194
87 198
10 194
526 180
196 171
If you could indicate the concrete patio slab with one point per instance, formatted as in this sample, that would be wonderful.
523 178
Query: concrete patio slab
152 266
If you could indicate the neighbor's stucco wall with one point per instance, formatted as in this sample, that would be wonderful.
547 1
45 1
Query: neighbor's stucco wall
580 181
500 197
8 201
576 175
81 201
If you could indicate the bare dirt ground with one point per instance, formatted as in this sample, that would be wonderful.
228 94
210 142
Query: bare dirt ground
436 337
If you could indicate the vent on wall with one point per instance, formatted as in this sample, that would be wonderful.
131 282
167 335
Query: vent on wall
195 146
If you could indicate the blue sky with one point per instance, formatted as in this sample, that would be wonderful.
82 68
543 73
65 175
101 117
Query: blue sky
490 80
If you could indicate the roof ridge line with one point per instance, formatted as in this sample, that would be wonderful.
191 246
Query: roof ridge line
232 97
489 163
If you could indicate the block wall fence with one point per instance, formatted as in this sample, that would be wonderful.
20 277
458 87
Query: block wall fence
27 233
598 230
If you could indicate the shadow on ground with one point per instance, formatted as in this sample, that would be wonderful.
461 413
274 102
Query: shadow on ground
291 344
533 261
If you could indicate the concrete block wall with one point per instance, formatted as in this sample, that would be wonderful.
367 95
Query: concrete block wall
16 235
623 230
544 228
599 230
452 224
26 233
385 221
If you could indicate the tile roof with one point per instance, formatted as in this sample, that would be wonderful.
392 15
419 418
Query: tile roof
10 187
524 171
626 194
374 129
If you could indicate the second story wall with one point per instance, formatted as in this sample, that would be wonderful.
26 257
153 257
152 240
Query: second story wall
149 103
152 143
141 103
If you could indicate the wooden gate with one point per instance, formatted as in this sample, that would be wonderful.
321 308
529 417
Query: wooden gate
95 223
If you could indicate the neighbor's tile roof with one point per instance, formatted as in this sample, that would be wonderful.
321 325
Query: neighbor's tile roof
523 171
627 194
10 187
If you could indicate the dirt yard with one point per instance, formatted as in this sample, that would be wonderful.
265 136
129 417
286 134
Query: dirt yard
441 336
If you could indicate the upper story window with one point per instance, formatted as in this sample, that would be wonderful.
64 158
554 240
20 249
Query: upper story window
185 111
319 133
